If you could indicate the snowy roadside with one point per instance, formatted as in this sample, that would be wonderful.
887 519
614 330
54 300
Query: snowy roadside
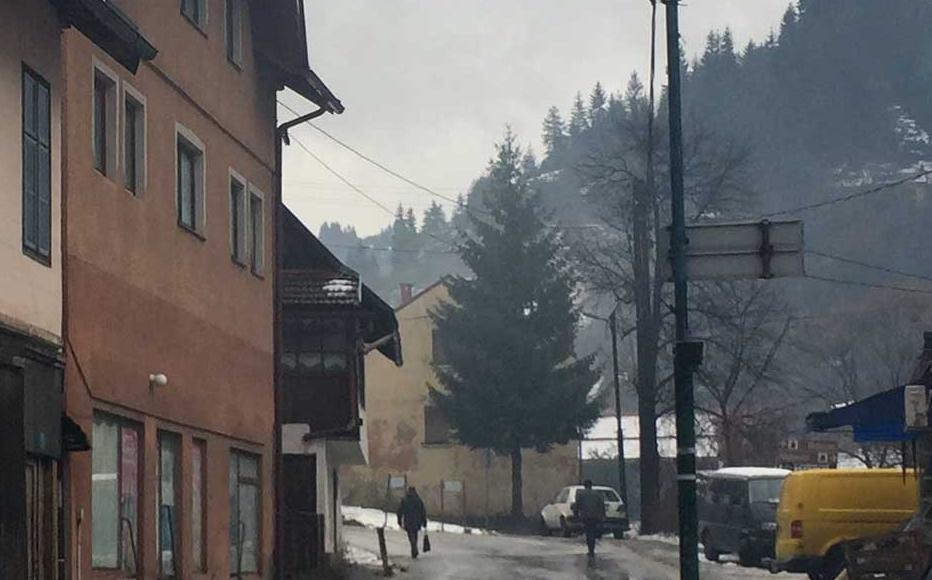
375 518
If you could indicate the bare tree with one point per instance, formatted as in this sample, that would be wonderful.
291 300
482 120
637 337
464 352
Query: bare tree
740 386
624 173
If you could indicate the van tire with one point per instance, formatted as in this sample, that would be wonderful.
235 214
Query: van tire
833 564
747 556
711 554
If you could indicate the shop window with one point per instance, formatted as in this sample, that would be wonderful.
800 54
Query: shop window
168 515
245 514
199 505
115 495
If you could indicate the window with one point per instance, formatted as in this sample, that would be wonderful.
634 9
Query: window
198 505
436 427
168 513
37 167
237 219
134 142
316 346
256 233
190 174
234 31
104 122
115 495
195 11
244 513
438 357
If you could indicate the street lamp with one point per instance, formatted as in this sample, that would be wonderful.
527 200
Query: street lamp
612 322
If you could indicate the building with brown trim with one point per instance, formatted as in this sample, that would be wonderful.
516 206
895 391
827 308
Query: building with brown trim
330 320
170 187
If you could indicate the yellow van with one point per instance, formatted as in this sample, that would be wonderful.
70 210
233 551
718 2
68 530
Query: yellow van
821 508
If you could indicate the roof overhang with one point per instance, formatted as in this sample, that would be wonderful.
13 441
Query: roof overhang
879 418
109 28
281 39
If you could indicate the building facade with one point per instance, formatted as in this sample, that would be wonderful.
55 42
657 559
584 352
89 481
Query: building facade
410 444
170 189
330 320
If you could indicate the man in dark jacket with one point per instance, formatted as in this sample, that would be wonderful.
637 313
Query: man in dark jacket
412 516
590 509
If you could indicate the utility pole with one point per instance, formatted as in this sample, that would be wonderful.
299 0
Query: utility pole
619 433
687 354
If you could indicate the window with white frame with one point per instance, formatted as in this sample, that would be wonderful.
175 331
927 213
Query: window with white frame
115 494
190 181
195 11
104 121
256 232
238 218
234 31
134 140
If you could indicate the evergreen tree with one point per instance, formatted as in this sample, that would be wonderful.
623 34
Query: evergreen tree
579 118
554 132
597 102
434 224
510 380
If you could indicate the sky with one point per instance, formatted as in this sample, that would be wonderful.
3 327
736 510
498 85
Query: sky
429 86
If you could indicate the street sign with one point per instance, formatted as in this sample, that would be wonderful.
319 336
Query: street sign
739 251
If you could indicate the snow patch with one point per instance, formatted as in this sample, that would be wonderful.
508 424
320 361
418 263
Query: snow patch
908 129
375 518
753 472
339 286
361 556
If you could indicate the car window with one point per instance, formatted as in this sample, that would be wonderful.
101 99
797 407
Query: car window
765 490
562 496
737 492
718 492
609 495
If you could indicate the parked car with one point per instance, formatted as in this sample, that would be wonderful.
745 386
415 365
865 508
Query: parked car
738 512
821 509
559 516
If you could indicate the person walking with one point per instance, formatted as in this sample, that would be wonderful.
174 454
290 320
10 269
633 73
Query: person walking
590 509
412 516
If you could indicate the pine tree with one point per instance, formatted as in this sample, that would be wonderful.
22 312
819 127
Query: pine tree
597 101
510 379
554 133
579 118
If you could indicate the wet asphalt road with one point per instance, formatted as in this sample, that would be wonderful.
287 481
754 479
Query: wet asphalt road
469 557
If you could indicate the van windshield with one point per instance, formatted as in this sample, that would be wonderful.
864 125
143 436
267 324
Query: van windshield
765 490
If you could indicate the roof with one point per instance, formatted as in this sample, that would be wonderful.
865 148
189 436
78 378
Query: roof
281 38
315 288
312 277
749 472
109 28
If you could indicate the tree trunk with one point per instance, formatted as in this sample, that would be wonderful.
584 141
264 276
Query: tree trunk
648 333
517 484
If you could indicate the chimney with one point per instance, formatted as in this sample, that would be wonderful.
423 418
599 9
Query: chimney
407 293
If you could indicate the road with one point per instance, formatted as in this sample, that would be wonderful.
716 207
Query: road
482 557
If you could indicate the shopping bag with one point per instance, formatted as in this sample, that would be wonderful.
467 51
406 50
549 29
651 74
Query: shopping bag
426 543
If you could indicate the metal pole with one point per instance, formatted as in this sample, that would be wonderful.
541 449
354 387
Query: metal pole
619 433
683 373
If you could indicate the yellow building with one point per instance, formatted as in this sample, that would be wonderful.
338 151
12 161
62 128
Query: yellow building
409 440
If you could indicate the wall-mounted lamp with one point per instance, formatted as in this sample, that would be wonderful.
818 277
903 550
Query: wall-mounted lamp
157 380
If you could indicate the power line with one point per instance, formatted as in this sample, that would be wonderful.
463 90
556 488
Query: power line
365 157
868 284
358 190
869 266
874 190
341 178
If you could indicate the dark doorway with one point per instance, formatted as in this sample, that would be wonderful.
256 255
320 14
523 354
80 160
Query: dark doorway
13 545
304 529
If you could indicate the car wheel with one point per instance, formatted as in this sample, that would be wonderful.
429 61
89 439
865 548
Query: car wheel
619 535
565 529
544 530
711 554
747 555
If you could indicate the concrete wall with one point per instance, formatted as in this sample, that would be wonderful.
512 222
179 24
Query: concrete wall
395 400
30 294
145 296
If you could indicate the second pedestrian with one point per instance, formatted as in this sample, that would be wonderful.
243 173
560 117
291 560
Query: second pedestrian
412 516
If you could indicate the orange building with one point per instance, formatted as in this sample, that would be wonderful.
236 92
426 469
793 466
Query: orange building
170 185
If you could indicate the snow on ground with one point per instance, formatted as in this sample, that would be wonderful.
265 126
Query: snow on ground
361 556
375 518
670 539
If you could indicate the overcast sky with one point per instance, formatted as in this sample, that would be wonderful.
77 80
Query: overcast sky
429 85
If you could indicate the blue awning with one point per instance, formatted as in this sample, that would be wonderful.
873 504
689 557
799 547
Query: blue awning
879 418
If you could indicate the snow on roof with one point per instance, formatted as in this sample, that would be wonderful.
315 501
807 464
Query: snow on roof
751 472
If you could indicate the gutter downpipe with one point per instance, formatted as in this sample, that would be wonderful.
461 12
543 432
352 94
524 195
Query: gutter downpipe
281 138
